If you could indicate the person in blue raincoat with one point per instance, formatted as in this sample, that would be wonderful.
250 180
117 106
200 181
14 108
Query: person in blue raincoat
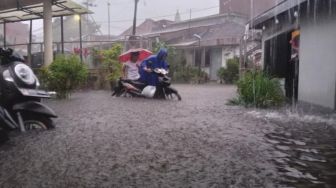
147 66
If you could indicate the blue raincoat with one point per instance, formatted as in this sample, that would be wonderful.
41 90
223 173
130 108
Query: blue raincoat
154 61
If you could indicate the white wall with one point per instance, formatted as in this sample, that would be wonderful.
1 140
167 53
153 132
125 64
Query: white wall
317 79
229 53
189 54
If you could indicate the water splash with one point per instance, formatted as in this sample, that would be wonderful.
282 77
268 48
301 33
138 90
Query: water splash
289 116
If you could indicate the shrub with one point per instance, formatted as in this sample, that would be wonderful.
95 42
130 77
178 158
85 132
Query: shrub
256 88
65 74
189 74
230 74
111 62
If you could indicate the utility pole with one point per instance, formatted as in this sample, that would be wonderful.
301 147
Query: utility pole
135 16
109 19
88 4
189 22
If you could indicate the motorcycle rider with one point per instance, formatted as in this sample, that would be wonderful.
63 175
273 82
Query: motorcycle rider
131 67
130 72
147 66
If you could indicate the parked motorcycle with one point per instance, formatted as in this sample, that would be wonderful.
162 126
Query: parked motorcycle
20 98
137 89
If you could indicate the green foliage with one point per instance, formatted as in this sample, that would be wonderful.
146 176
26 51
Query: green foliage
189 74
44 77
111 62
257 89
230 74
65 74
179 71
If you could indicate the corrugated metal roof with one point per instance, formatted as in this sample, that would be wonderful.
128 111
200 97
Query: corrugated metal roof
21 10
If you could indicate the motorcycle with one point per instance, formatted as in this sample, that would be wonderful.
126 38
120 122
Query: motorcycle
163 90
20 98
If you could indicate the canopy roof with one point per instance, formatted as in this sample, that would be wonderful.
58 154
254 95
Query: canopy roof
22 10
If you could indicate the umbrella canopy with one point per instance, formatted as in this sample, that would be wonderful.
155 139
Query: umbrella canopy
143 54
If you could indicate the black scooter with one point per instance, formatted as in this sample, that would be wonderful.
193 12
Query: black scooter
163 90
20 98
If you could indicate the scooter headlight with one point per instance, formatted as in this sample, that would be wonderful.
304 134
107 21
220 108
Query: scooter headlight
7 76
25 74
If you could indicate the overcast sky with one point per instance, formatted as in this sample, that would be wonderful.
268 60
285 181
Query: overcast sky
122 11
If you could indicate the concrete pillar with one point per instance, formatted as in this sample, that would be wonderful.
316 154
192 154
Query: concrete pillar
203 58
48 37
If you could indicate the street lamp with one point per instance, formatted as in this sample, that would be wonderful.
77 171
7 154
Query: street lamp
199 64
77 17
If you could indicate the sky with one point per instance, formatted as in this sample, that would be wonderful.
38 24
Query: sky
122 11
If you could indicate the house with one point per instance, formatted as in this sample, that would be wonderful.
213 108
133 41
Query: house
220 34
299 45
220 39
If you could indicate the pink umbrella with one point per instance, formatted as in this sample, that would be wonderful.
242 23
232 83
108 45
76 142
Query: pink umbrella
143 54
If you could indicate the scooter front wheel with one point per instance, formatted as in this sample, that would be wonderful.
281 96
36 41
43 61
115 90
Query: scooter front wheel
174 96
37 122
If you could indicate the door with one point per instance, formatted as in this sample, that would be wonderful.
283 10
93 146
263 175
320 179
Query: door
215 62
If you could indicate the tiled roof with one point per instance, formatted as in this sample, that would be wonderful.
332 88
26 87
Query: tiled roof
147 26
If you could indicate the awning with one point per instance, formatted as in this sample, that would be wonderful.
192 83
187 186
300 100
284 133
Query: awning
22 10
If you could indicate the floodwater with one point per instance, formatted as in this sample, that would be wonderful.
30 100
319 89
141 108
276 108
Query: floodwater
102 141
304 148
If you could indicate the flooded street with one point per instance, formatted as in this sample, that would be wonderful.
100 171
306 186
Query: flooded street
102 141
305 148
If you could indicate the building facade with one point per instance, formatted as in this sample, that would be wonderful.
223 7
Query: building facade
308 28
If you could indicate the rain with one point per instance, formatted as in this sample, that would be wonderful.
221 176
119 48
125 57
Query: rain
180 93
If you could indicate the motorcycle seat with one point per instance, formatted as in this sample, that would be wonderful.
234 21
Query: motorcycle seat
138 84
